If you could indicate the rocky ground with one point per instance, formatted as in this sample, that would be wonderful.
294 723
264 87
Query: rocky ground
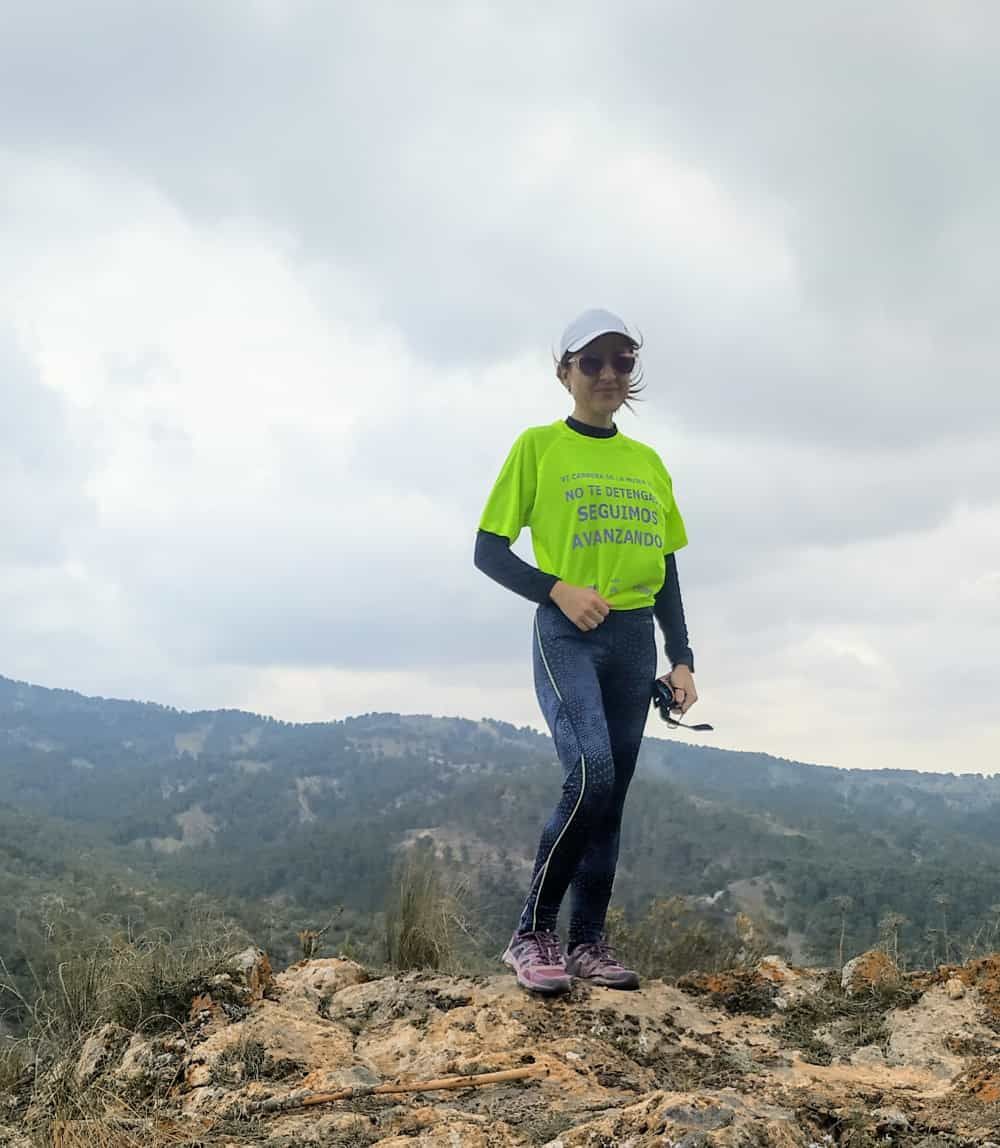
774 1056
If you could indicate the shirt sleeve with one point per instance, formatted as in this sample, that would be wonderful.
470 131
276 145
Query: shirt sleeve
508 508
668 609
496 560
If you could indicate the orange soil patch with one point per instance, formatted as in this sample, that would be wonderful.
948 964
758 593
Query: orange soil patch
873 968
985 1084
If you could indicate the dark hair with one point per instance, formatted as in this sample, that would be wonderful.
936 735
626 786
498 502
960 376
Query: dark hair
635 383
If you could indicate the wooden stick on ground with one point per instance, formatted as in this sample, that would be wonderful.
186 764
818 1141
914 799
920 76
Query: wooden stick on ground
308 1099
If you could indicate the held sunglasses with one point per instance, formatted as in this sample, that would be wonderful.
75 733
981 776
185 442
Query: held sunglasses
663 700
622 363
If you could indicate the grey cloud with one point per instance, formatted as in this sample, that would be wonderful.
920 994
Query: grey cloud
238 605
449 160
763 500
861 136
874 118
298 582
42 467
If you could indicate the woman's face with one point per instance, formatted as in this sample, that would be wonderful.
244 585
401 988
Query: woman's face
605 391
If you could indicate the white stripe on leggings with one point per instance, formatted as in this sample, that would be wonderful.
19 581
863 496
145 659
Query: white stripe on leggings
583 786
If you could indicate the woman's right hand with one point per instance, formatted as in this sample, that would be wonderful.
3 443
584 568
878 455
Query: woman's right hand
584 607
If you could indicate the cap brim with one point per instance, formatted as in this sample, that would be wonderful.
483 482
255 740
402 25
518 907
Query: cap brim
589 338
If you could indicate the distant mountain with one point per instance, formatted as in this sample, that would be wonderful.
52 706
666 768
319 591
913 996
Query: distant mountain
310 816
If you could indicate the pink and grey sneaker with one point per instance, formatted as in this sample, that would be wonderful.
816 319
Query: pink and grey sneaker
538 961
595 962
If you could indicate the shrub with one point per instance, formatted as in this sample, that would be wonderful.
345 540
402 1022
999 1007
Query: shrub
143 982
132 983
672 939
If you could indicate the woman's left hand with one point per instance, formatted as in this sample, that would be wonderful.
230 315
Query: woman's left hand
681 681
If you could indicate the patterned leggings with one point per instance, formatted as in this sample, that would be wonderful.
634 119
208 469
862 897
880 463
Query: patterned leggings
594 691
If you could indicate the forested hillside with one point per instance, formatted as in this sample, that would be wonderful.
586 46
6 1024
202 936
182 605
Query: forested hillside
284 824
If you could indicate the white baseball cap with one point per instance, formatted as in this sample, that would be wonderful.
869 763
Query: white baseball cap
589 326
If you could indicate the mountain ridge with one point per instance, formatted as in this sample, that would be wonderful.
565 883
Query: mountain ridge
15 692
316 815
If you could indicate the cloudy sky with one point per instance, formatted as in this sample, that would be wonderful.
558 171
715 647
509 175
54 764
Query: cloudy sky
278 288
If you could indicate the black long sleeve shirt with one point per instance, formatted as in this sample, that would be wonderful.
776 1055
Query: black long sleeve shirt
494 557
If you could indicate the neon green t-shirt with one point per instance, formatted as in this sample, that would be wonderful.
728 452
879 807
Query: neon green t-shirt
601 510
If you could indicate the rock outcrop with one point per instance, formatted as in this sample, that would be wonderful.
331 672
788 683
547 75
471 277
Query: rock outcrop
774 1056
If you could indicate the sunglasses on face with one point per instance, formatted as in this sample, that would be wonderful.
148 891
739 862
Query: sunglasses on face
622 363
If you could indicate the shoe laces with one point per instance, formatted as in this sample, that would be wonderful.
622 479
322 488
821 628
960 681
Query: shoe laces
602 951
548 949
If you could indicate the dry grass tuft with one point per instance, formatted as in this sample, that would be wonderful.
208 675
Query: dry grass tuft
424 917
117 987
147 983
14 1065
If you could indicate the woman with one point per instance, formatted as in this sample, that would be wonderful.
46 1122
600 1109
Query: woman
604 528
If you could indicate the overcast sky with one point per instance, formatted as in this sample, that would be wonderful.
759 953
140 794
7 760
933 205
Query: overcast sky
279 283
